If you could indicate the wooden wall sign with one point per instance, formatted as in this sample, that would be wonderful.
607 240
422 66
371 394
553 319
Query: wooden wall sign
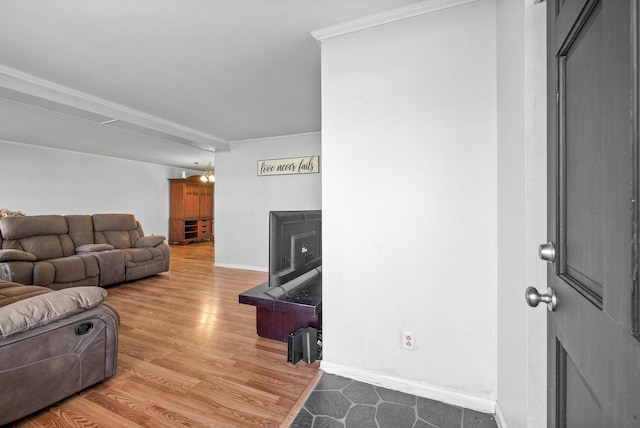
288 166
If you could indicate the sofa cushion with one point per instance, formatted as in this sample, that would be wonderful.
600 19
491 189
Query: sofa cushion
149 241
23 227
46 236
11 292
120 239
103 222
16 255
80 229
137 255
44 247
72 269
48 307
119 230
44 273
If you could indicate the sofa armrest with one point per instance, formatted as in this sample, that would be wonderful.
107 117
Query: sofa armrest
149 241
94 248
46 308
10 255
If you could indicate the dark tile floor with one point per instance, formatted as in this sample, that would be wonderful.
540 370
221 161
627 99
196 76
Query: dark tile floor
339 402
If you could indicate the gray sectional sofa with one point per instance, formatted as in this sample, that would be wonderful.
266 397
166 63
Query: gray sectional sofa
53 344
59 251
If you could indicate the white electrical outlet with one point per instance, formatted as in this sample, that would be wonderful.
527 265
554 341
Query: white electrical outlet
408 340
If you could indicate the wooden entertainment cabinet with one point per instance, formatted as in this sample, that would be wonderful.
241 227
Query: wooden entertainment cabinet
190 210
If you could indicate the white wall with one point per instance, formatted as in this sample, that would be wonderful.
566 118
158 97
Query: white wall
512 310
38 180
536 167
521 211
243 199
410 204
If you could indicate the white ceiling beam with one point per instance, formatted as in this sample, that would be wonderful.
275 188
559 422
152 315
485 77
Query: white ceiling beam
27 89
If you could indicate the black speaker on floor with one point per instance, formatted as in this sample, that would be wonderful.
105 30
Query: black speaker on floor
294 345
309 344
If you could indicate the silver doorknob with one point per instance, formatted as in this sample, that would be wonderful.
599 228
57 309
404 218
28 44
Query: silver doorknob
547 252
533 298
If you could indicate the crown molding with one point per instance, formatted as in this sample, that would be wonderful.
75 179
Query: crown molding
24 88
386 17
276 137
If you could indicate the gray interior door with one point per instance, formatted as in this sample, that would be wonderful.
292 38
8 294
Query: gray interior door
594 351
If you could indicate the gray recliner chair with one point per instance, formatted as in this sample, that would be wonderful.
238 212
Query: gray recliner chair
53 344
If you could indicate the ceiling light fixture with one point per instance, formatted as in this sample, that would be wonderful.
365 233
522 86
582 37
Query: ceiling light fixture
207 176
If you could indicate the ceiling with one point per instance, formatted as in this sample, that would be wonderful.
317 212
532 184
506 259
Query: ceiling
163 81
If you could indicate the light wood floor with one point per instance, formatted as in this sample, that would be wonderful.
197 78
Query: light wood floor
189 356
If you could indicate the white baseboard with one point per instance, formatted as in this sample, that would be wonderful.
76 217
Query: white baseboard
500 417
243 267
455 398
